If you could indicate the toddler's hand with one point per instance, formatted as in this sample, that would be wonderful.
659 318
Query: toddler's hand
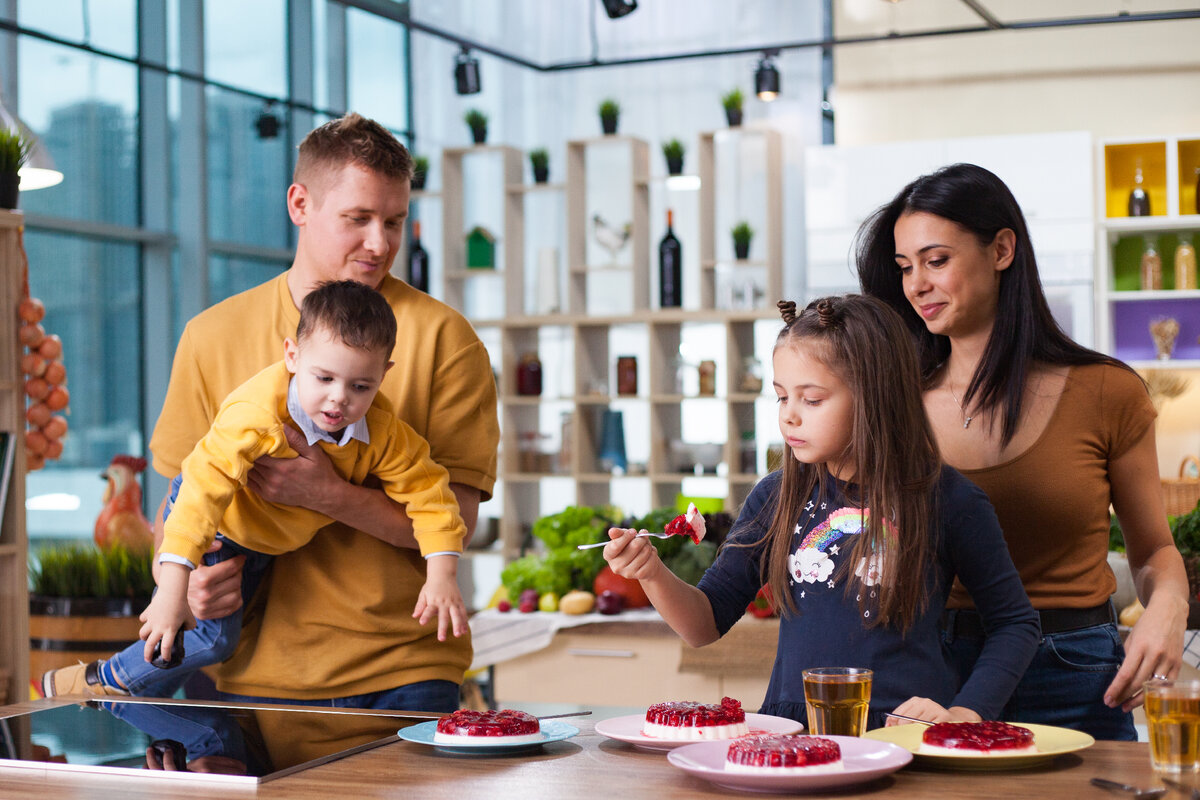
440 597
631 557
167 614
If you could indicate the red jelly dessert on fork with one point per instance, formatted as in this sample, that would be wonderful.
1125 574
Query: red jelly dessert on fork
783 755
690 524
505 726
686 720
976 739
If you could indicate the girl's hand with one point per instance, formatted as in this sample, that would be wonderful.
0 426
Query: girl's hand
631 557
926 709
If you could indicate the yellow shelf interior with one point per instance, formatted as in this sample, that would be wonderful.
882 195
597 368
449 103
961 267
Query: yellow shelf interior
1121 162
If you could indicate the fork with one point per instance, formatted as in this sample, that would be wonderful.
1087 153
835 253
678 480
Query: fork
641 535
1141 794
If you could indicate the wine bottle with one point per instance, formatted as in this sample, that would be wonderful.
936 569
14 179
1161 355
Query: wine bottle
670 268
418 261
1139 201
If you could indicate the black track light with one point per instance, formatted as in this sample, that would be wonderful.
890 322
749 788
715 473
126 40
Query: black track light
618 8
766 79
466 73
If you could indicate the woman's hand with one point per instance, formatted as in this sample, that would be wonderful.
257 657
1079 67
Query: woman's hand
1153 648
631 557
925 709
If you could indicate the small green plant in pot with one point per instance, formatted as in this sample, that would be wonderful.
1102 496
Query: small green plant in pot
420 172
742 234
15 148
477 121
673 151
539 160
732 102
610 111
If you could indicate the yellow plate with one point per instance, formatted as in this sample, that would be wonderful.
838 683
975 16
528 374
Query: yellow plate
1050 741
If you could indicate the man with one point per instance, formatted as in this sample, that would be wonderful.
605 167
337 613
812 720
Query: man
329 625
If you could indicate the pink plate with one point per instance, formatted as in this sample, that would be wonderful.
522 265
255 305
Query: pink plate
629 729
865 760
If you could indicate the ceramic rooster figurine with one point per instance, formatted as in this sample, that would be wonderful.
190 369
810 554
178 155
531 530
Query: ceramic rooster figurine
121 521
609 236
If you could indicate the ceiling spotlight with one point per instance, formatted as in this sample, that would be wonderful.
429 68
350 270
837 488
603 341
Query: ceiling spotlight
267 123
766 79
618 8
466 73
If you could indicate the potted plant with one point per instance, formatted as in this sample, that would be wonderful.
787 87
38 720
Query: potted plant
477 121
610 110
420 171
732 101
742 234
15 146
673 150
81 593
539 159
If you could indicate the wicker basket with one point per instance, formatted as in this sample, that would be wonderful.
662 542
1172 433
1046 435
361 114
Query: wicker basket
1180 495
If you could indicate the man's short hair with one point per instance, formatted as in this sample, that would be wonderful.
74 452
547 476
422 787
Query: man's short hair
352 312
352 139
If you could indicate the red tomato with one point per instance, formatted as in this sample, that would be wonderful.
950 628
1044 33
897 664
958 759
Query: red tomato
606 579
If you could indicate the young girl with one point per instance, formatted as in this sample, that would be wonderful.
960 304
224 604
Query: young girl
857 589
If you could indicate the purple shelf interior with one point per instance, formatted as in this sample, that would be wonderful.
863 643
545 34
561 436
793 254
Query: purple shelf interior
1131 328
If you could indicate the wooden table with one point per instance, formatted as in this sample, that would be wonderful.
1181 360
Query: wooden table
588 766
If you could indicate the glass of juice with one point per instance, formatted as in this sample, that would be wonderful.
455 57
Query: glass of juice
1173 720
837 700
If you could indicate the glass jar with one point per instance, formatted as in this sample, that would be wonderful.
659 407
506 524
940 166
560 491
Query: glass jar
1151 266
708 378
748 454
752 375
626 375
529 375
1185 263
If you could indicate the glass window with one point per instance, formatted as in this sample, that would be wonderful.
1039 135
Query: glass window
84 108
227 276
244 44
375 69
91 290
104 24
248 176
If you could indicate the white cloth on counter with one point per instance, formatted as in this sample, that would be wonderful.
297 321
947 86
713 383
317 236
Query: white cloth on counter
501 636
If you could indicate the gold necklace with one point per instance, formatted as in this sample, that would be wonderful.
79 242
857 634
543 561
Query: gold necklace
966 419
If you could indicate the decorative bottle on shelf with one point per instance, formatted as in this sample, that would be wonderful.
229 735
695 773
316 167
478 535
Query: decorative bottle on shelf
418 261
1185 263
1151 267
1139 201
670 268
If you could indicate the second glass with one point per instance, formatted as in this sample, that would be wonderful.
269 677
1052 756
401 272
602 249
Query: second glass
837 700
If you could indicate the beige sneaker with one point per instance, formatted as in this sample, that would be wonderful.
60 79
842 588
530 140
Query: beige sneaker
77 679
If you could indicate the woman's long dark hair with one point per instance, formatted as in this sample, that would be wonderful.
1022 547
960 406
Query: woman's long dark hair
892 448
1024 331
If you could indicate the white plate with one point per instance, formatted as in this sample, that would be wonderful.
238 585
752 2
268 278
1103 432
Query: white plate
864 759
1050 741
552 731
629 729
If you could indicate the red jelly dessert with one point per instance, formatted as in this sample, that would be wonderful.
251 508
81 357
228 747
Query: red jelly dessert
503 726
977 739
690 524
777 755
686 720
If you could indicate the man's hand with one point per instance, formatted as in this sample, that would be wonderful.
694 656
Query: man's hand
440 597
215 592
304 481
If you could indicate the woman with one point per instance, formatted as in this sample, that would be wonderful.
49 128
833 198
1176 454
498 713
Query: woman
1051 431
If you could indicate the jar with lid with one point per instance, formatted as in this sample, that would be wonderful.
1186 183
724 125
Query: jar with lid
752 375
1185 263
529 375
1151 266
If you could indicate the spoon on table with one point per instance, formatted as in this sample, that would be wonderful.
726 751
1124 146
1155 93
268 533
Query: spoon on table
1142 794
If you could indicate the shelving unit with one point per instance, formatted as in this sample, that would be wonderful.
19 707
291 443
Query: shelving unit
1124 310
14 543
586 338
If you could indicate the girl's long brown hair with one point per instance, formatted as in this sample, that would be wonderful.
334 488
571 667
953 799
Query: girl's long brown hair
892 449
